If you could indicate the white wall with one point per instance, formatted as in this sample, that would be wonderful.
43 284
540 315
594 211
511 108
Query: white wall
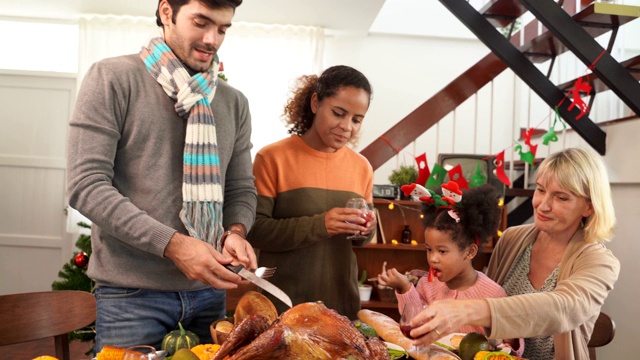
622 301
624 175
404 73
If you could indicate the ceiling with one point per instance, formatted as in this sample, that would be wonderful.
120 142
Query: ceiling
404 17
347 15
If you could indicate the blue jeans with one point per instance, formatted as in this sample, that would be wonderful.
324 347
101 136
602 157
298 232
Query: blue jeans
127 317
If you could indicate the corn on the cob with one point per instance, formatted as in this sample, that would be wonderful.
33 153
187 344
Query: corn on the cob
109 352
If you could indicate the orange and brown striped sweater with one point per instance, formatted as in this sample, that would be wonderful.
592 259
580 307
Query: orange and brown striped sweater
296 185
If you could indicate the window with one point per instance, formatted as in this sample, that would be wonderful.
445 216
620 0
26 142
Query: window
37 46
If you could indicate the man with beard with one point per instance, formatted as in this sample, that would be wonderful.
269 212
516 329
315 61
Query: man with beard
156 143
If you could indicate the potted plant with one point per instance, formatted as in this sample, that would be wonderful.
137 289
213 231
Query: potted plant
405 175
364 289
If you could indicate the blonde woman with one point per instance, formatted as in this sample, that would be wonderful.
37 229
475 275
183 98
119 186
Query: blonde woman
557 271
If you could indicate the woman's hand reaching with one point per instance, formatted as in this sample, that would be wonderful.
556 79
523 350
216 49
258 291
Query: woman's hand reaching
444 317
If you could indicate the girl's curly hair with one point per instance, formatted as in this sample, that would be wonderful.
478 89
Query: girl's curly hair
479 216
297 111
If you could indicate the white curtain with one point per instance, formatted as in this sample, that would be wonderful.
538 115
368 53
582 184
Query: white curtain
101 37
260 60
104 36
263 61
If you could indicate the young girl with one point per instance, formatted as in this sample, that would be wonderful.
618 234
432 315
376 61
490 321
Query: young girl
456 224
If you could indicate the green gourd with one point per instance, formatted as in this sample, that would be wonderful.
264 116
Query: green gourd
178 339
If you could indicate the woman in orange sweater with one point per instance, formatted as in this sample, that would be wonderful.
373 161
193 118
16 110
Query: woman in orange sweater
303 184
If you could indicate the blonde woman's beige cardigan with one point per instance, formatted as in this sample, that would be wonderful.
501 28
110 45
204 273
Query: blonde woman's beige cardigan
586 276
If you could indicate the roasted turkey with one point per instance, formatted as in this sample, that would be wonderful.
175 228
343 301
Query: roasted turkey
306 331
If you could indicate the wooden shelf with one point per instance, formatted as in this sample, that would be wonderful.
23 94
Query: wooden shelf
380 304
399 247
377 201
384 307
403 257
371 258
404 212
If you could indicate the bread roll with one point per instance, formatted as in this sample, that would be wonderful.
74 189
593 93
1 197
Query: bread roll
455 341
224 326
389 330
252 303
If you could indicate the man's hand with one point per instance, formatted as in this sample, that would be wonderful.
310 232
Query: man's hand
199 260
240 251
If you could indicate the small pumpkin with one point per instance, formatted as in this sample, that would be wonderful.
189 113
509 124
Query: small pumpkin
178 339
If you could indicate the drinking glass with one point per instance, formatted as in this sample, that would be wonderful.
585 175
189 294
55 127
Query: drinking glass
140 352
409 311
360 204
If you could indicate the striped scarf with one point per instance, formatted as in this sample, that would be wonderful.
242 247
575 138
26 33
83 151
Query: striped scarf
201 187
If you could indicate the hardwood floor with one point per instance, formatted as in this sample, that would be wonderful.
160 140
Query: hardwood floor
32 349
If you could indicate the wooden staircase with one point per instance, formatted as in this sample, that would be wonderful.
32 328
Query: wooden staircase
594 19
567 27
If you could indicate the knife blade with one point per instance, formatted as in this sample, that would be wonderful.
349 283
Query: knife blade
260 282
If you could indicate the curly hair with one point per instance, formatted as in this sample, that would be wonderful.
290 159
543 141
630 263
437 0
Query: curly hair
213 4
479 215
298 115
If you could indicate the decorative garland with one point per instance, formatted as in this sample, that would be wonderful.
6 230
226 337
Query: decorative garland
526 151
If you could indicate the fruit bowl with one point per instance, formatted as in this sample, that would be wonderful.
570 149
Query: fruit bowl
219 329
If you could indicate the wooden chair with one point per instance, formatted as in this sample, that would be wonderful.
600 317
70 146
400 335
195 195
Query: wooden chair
603 332
38 315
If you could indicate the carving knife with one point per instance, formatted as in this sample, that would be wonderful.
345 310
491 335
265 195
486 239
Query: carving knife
262 283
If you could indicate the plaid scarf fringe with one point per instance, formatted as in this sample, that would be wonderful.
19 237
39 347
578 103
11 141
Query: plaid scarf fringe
198 215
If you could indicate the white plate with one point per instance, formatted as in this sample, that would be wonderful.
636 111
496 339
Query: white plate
391 346
394 346
446 340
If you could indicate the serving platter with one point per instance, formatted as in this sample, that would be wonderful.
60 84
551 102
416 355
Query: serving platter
398 348
160 354
446 340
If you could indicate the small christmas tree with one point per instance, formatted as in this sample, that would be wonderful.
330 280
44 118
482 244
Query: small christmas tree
221 74
74 277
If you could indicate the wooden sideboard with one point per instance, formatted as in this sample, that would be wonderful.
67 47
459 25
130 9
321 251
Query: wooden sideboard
393 216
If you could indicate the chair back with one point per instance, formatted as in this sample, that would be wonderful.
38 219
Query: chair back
603 332
38 315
